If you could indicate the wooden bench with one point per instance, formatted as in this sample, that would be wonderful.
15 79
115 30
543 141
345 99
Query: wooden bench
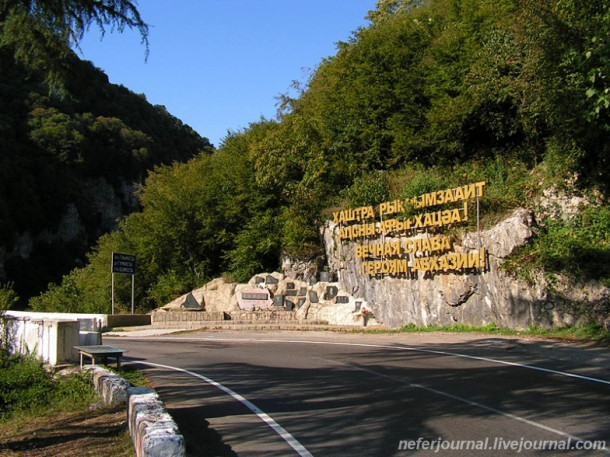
100 351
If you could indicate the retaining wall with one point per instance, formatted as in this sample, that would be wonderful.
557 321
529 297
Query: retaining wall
199 319
185 319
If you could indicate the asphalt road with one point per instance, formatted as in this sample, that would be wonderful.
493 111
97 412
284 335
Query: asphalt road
326 394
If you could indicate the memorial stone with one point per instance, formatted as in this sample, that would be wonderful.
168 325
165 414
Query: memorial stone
342 299
302 291
254 298
278 300
301 302
357 307
271 280
290 285
291 293
312 281
289 305
331 292
313 296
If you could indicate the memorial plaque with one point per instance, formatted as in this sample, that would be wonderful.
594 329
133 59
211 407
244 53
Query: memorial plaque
291 293
289 305
301 302
324 276
271 280
290 285
358 305
313 296
258 280
302 291
278 300
331 292
342 299
255 298
312 281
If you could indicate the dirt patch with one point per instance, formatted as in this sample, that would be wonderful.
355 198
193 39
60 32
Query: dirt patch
94 432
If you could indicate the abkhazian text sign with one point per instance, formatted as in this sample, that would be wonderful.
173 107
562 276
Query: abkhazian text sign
415 240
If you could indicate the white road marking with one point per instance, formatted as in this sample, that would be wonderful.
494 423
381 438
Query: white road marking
291 440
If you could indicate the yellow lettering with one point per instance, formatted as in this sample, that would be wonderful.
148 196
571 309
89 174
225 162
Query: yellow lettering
459 194
449 198
470 191
474 261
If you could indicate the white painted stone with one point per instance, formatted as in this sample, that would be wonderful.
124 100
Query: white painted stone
114 390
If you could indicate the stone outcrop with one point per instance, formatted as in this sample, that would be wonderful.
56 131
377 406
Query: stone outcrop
293 300
489 296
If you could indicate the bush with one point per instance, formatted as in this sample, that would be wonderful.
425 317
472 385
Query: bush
25 386
578 247
368 190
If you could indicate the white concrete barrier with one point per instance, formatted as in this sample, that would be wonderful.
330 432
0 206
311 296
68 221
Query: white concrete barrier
51 336
50 340
153 431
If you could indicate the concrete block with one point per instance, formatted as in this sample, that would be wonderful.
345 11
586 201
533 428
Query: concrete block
140 402
98 374
158 441
114 390
153 431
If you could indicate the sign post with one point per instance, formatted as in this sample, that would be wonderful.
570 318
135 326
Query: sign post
123 264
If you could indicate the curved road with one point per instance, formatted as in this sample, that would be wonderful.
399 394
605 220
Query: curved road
326 394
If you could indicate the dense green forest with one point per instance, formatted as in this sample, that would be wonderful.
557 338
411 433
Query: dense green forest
431 94
69 149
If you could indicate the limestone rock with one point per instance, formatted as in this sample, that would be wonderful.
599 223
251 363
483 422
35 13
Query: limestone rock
219 295
302 270
559 205
490 296
502 239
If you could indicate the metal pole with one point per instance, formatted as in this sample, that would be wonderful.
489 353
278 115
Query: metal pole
112 293
478 222
133 280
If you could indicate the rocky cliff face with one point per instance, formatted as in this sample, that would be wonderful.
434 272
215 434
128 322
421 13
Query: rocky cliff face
481 298
37 258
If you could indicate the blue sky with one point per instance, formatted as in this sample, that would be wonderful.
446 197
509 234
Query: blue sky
220 64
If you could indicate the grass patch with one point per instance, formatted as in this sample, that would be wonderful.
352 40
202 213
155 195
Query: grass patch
134 376
43 414
592 332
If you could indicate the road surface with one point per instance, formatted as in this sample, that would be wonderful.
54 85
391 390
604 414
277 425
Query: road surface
327 394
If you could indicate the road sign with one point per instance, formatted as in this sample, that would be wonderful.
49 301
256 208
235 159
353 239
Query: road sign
123 263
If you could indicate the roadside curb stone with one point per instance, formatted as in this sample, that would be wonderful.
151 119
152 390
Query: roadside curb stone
153 431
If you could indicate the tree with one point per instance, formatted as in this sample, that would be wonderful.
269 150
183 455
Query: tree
41 32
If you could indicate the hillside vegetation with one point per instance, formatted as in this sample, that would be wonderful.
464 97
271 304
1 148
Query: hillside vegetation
61 153
430 95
